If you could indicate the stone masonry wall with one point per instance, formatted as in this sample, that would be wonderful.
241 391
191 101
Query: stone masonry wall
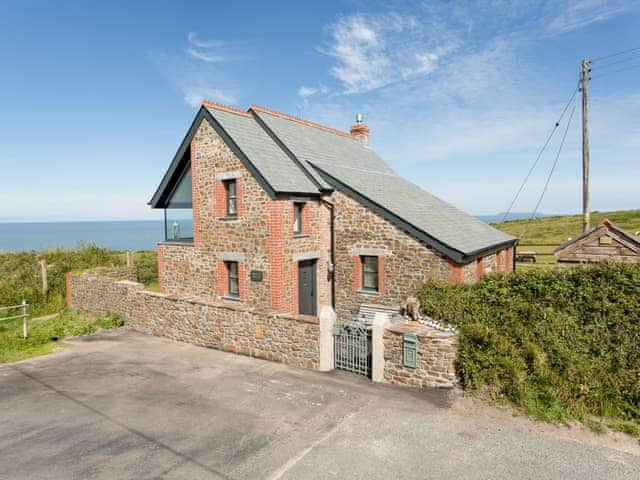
262 233
436 353
229 327
262 236
407 261
181 272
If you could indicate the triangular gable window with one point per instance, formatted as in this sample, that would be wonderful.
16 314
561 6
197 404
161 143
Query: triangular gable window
181 196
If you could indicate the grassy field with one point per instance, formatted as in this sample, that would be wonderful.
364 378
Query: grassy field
543 235
44 334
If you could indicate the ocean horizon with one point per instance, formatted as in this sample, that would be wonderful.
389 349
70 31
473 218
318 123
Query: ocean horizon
112 234
115 235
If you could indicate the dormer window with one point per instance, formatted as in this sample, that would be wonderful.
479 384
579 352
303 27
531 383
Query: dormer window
230 187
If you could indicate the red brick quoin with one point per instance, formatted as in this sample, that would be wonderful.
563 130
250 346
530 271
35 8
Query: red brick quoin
276 254
194 196
67 279
457 273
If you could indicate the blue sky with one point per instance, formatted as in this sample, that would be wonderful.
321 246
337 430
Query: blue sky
96 96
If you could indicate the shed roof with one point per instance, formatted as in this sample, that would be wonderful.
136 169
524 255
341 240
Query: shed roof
606 223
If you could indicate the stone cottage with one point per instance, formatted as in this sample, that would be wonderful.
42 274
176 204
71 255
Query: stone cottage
285 215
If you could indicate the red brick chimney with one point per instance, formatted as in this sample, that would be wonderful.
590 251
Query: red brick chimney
360 130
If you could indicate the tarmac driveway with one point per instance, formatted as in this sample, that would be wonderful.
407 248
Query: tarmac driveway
122 405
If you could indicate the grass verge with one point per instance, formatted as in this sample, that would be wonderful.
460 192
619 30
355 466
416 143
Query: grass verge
20 275
45 334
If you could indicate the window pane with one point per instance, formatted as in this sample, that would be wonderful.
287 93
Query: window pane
370 281
181 196
370 264
231 206
230 187
179 213
370 273
297 218
232 272
179 224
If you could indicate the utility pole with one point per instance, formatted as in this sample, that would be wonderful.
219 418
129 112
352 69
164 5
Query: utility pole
585 143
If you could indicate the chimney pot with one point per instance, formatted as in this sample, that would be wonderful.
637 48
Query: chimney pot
360 130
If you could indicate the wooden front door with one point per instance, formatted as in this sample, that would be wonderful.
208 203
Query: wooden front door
307 297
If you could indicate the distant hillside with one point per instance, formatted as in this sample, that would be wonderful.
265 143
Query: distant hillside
555 230
497 218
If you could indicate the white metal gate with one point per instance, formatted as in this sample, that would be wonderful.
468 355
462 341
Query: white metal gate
352 347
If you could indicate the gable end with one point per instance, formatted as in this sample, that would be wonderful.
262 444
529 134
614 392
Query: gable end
180 159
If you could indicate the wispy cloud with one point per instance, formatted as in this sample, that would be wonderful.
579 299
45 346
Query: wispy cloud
372 51
574 15
206 50
452 94
194 39
196 94
306 91
201 71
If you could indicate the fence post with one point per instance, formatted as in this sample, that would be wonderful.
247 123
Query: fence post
24 318
129 259
45 284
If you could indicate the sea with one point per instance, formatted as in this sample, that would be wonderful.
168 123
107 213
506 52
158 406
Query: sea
115 235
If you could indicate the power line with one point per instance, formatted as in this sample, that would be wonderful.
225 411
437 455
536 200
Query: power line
628 59
610 72
535 163
555 163
615 54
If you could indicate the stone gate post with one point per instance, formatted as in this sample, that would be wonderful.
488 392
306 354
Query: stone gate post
380 322
327 321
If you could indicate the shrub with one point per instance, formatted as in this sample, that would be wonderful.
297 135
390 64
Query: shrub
110 321
20 274
561 344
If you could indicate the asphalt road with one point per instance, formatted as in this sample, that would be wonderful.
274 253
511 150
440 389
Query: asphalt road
123 405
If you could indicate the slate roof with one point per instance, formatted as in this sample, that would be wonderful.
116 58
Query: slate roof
438 219
314 145
295 156
278 169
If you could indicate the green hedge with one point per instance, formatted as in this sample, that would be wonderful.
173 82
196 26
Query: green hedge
20 274
561 344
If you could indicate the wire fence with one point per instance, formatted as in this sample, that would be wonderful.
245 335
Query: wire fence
23 308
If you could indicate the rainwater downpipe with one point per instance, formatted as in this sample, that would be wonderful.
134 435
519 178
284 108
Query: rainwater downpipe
332 270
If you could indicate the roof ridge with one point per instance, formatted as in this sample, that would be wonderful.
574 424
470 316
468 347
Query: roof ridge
225 108
389 174
302 121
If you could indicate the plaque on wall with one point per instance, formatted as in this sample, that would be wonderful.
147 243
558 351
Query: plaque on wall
256 276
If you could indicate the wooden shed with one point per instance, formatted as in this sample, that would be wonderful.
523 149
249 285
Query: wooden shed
606 242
